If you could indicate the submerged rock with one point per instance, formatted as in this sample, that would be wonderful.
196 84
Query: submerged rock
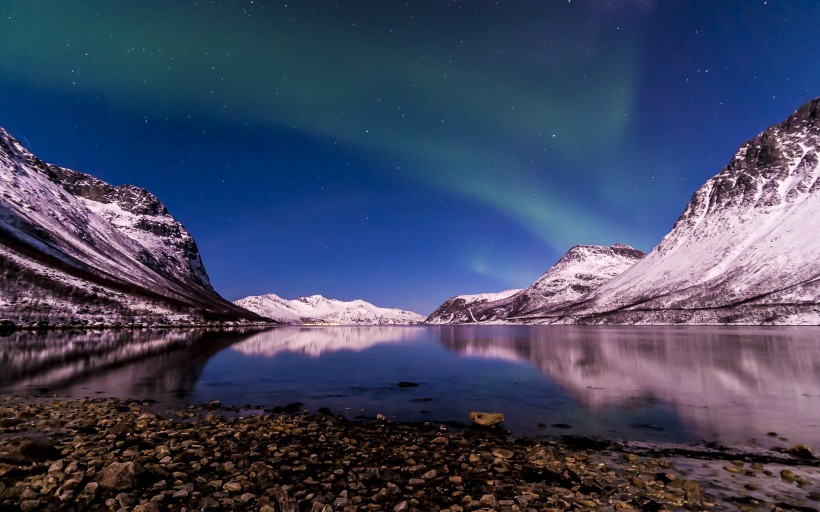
486 419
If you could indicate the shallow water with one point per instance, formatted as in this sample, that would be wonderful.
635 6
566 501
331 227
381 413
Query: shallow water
658 384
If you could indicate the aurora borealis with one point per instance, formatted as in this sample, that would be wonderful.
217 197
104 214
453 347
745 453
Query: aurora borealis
403 152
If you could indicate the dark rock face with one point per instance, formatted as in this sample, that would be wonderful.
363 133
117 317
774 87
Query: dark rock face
74 249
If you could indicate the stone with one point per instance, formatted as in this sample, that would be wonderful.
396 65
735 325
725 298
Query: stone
30 505
488 500
232 487
486 419
503 453
146 507
801 451
119 476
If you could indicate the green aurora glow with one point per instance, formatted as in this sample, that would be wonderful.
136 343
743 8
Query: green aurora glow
444 108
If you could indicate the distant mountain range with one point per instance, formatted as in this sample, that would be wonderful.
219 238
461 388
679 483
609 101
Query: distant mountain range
76 250
319 310
744 251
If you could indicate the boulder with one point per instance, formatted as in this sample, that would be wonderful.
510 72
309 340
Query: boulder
120 476
486 419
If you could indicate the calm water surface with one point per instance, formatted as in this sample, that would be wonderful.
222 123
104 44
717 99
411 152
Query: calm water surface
675 384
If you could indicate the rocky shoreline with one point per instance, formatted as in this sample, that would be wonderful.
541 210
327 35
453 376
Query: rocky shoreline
111 454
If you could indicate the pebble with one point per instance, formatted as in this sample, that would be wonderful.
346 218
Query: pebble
197 459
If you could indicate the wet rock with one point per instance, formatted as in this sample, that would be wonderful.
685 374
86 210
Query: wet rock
486 419
119 476
801 451
488 500
26 451
630 457
232 487
291 408
503 453
31 505
146 507
693 492
10 422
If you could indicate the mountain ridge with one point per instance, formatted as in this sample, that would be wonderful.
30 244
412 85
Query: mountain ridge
581 269
77 250
316 309
742 252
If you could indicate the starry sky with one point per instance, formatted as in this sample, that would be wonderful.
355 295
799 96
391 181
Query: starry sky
403 152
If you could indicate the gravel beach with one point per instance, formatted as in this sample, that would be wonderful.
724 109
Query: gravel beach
112 454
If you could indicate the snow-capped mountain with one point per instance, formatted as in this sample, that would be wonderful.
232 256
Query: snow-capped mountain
74 249
459 309
744 251
582 269
319 310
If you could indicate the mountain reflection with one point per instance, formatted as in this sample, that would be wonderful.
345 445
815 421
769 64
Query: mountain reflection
144 364
315 341
756 379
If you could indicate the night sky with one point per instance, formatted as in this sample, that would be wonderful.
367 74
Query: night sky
401 152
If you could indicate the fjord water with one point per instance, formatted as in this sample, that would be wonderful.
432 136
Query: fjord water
659 384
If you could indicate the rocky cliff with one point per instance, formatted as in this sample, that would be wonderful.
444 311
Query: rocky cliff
77 250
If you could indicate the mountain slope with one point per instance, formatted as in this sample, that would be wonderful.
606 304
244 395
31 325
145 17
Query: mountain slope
74 249
459 309
745 249
582 269
319 310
